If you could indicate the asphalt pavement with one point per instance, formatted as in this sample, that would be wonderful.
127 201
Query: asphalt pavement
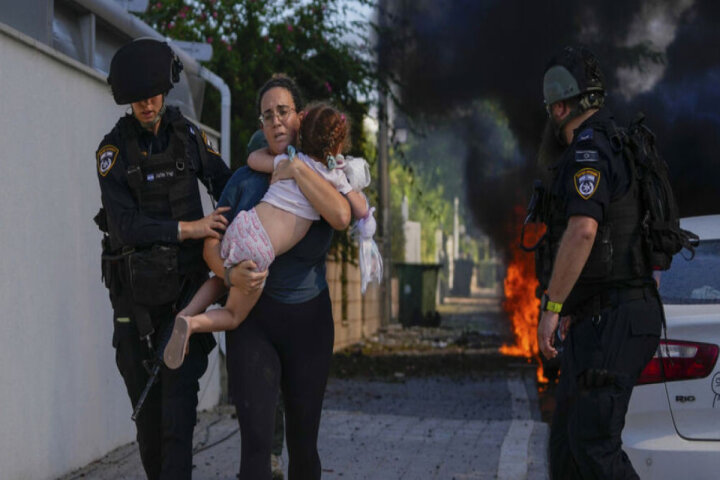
410 403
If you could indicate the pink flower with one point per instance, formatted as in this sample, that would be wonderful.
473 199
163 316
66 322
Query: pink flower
328 86
170 25
158 5
289 28
209 40
214 14
278 48
229 48
181 14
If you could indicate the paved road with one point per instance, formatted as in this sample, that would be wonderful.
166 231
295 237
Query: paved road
433 428
475 418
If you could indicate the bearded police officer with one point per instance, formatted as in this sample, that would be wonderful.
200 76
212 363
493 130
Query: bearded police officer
148 167
599 285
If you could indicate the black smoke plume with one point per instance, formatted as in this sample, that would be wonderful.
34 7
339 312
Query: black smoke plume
661 57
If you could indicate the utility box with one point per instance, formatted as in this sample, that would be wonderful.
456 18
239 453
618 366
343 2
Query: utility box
417 293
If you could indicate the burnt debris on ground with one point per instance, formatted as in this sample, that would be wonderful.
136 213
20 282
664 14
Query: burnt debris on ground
465 344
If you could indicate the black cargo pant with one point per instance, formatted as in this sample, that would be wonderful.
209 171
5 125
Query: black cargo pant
603 356
165 424
279 433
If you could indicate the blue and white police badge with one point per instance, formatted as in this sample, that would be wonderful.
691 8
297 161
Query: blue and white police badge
208 144
106 157
586 182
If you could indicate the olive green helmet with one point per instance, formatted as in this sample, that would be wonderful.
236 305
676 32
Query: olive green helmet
574 72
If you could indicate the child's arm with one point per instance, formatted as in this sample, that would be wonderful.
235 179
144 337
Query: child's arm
358 204
209 293
262 160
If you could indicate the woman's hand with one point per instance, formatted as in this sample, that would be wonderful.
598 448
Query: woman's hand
285 170
324 198
244 277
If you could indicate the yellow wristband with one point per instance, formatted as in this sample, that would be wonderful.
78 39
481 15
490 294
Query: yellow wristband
547 305
553 307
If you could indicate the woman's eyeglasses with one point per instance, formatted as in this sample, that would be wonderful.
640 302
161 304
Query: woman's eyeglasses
280 112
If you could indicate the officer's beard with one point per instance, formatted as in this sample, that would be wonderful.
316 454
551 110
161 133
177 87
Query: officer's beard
550 147
151 124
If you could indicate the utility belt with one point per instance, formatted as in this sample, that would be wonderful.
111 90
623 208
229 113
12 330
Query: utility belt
146 285
594 305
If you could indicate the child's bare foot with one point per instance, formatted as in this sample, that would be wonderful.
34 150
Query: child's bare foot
177 345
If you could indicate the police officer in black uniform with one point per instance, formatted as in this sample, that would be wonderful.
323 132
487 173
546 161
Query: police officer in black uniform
148 167
599 286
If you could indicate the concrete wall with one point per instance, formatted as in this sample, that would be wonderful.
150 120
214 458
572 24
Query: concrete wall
62 401
360 316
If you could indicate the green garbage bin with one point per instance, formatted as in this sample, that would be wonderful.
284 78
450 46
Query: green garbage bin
417 290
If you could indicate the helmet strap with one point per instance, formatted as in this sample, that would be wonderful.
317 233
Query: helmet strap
586 102
560 127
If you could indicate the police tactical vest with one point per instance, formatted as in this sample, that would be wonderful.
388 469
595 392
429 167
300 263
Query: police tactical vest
164 184
617 254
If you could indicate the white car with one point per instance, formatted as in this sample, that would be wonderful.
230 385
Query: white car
672 428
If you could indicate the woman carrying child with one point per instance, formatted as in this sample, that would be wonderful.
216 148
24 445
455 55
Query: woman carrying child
274 226
287 339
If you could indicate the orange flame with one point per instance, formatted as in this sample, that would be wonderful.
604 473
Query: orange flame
521 304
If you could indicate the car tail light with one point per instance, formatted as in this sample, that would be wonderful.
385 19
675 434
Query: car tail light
676 360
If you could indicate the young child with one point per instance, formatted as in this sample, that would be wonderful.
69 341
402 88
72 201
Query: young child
274 226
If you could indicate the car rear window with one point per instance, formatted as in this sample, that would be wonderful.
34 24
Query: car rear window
695 281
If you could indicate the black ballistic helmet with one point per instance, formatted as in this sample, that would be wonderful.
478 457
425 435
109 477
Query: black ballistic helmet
574 72
142 69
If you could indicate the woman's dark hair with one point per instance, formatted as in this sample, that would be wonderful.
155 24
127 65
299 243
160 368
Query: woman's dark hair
283 81
322 130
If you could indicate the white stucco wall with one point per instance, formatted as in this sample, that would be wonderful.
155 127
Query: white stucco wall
62 401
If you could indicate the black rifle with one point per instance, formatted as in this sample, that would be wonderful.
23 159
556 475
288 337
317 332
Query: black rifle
155 362
153 365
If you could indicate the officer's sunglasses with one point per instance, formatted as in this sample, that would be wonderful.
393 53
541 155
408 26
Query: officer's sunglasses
281 112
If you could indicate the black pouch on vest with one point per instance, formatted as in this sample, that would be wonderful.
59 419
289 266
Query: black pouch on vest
599 263
154 276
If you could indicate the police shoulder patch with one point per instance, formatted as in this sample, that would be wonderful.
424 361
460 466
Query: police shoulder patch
106 157
586 182
208 144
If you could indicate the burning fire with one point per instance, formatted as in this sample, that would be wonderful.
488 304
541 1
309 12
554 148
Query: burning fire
521 304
